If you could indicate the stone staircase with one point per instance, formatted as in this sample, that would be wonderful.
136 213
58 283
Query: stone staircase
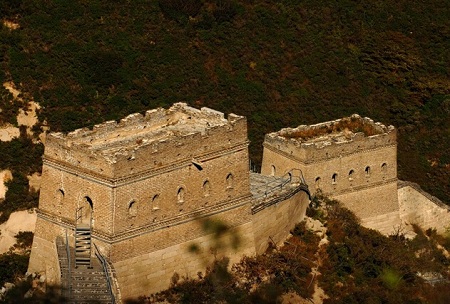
89 285
83 245
84 283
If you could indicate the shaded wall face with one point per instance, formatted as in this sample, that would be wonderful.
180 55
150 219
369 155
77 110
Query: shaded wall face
62 192
146 263
176 192
371 201
176 233
44 257
417 208
274 223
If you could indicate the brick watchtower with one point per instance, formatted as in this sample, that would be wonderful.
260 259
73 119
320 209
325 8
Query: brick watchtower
352 159
136 189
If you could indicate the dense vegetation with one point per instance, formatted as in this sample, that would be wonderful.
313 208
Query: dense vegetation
280 63
14 263
22 157
13 266
355 264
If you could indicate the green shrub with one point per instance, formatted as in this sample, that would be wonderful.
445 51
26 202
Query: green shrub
24 239
12 265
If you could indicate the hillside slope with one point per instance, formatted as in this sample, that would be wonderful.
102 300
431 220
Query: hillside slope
280 63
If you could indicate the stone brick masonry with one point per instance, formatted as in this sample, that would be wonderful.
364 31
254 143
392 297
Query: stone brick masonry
352 159
149 182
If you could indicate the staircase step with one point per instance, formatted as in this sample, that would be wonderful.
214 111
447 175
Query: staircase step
79 298
85 256
83 262
84 243
88 277
95 287
82 231
82 237
88 281
79 234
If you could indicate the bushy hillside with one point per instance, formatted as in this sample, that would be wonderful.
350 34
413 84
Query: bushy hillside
280 63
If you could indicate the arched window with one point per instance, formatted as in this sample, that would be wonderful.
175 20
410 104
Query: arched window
180 195
60 196
89 202
317 182
155 202
86 208
334 178
132 208
384 168
230 181
273 170
351 175
206 188
367 170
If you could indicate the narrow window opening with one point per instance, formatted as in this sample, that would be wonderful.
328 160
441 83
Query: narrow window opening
273 170
367 170
317 182
86 208
155 202
230 181
334 178
206 188
60 196
383 170
180 195
351 175
132 208
89 203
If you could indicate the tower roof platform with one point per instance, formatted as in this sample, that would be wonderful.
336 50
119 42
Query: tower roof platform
136 130
342 130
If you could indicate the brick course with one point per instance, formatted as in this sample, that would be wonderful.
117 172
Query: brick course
149 182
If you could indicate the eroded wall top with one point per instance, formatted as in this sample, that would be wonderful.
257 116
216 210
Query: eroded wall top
332 138
158 131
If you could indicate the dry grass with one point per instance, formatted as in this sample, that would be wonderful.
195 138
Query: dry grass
353 124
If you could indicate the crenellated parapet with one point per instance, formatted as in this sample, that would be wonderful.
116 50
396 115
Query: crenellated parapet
143 142
352 159
331 139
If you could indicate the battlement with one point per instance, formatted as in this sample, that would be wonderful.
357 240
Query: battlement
332 138
159 133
